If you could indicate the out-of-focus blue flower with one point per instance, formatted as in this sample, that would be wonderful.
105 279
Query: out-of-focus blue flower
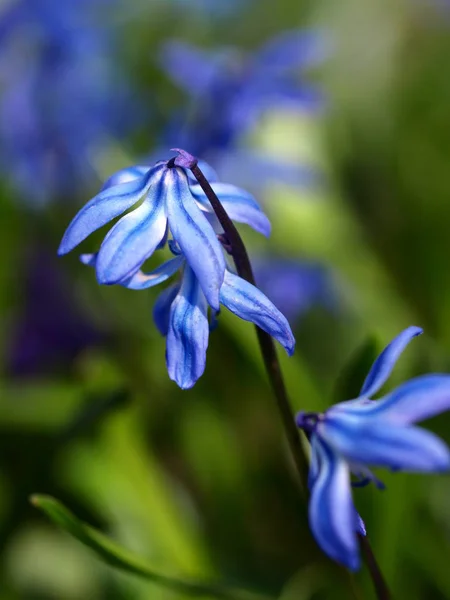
232 91
61 94
168 201
50 330
181 314
295 286
357 434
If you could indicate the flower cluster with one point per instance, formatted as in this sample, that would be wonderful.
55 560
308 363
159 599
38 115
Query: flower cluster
353 436
168 203
56 70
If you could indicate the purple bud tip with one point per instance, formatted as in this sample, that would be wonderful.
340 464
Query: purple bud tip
184 159
307 421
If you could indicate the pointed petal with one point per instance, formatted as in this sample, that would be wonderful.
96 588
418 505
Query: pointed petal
418 399
331 511
125 175
161 308
195 236
104 207
382 367
142 281
187 336
250 304
239 204
133 239
360 526
378 442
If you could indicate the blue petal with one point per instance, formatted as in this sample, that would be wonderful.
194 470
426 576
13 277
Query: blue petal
187 336
331 511
239 204
292 50
104 207
195 236
314 463
360 526
141 281
250 304
382 367
416 400
378 442
192 69
133 239
125 175
162 306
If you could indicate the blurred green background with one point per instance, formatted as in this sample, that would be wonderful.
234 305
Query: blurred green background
200 482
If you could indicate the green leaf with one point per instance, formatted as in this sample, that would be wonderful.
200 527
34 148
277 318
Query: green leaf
116 556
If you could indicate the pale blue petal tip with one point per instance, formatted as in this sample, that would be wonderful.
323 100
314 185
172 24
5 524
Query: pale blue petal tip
384 364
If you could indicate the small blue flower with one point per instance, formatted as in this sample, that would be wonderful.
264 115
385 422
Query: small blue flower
232 91
181 314
167 201
357 434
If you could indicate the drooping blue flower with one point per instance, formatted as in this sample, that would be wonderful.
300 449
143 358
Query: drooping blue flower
353 436
181 313
62 93
167 201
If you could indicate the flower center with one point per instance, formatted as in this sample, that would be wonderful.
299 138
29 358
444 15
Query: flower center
307 421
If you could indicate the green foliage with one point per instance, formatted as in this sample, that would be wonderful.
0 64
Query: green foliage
115 556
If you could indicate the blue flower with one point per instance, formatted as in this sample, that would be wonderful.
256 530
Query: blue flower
355 435
181 314
61 95
232 91
166 201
